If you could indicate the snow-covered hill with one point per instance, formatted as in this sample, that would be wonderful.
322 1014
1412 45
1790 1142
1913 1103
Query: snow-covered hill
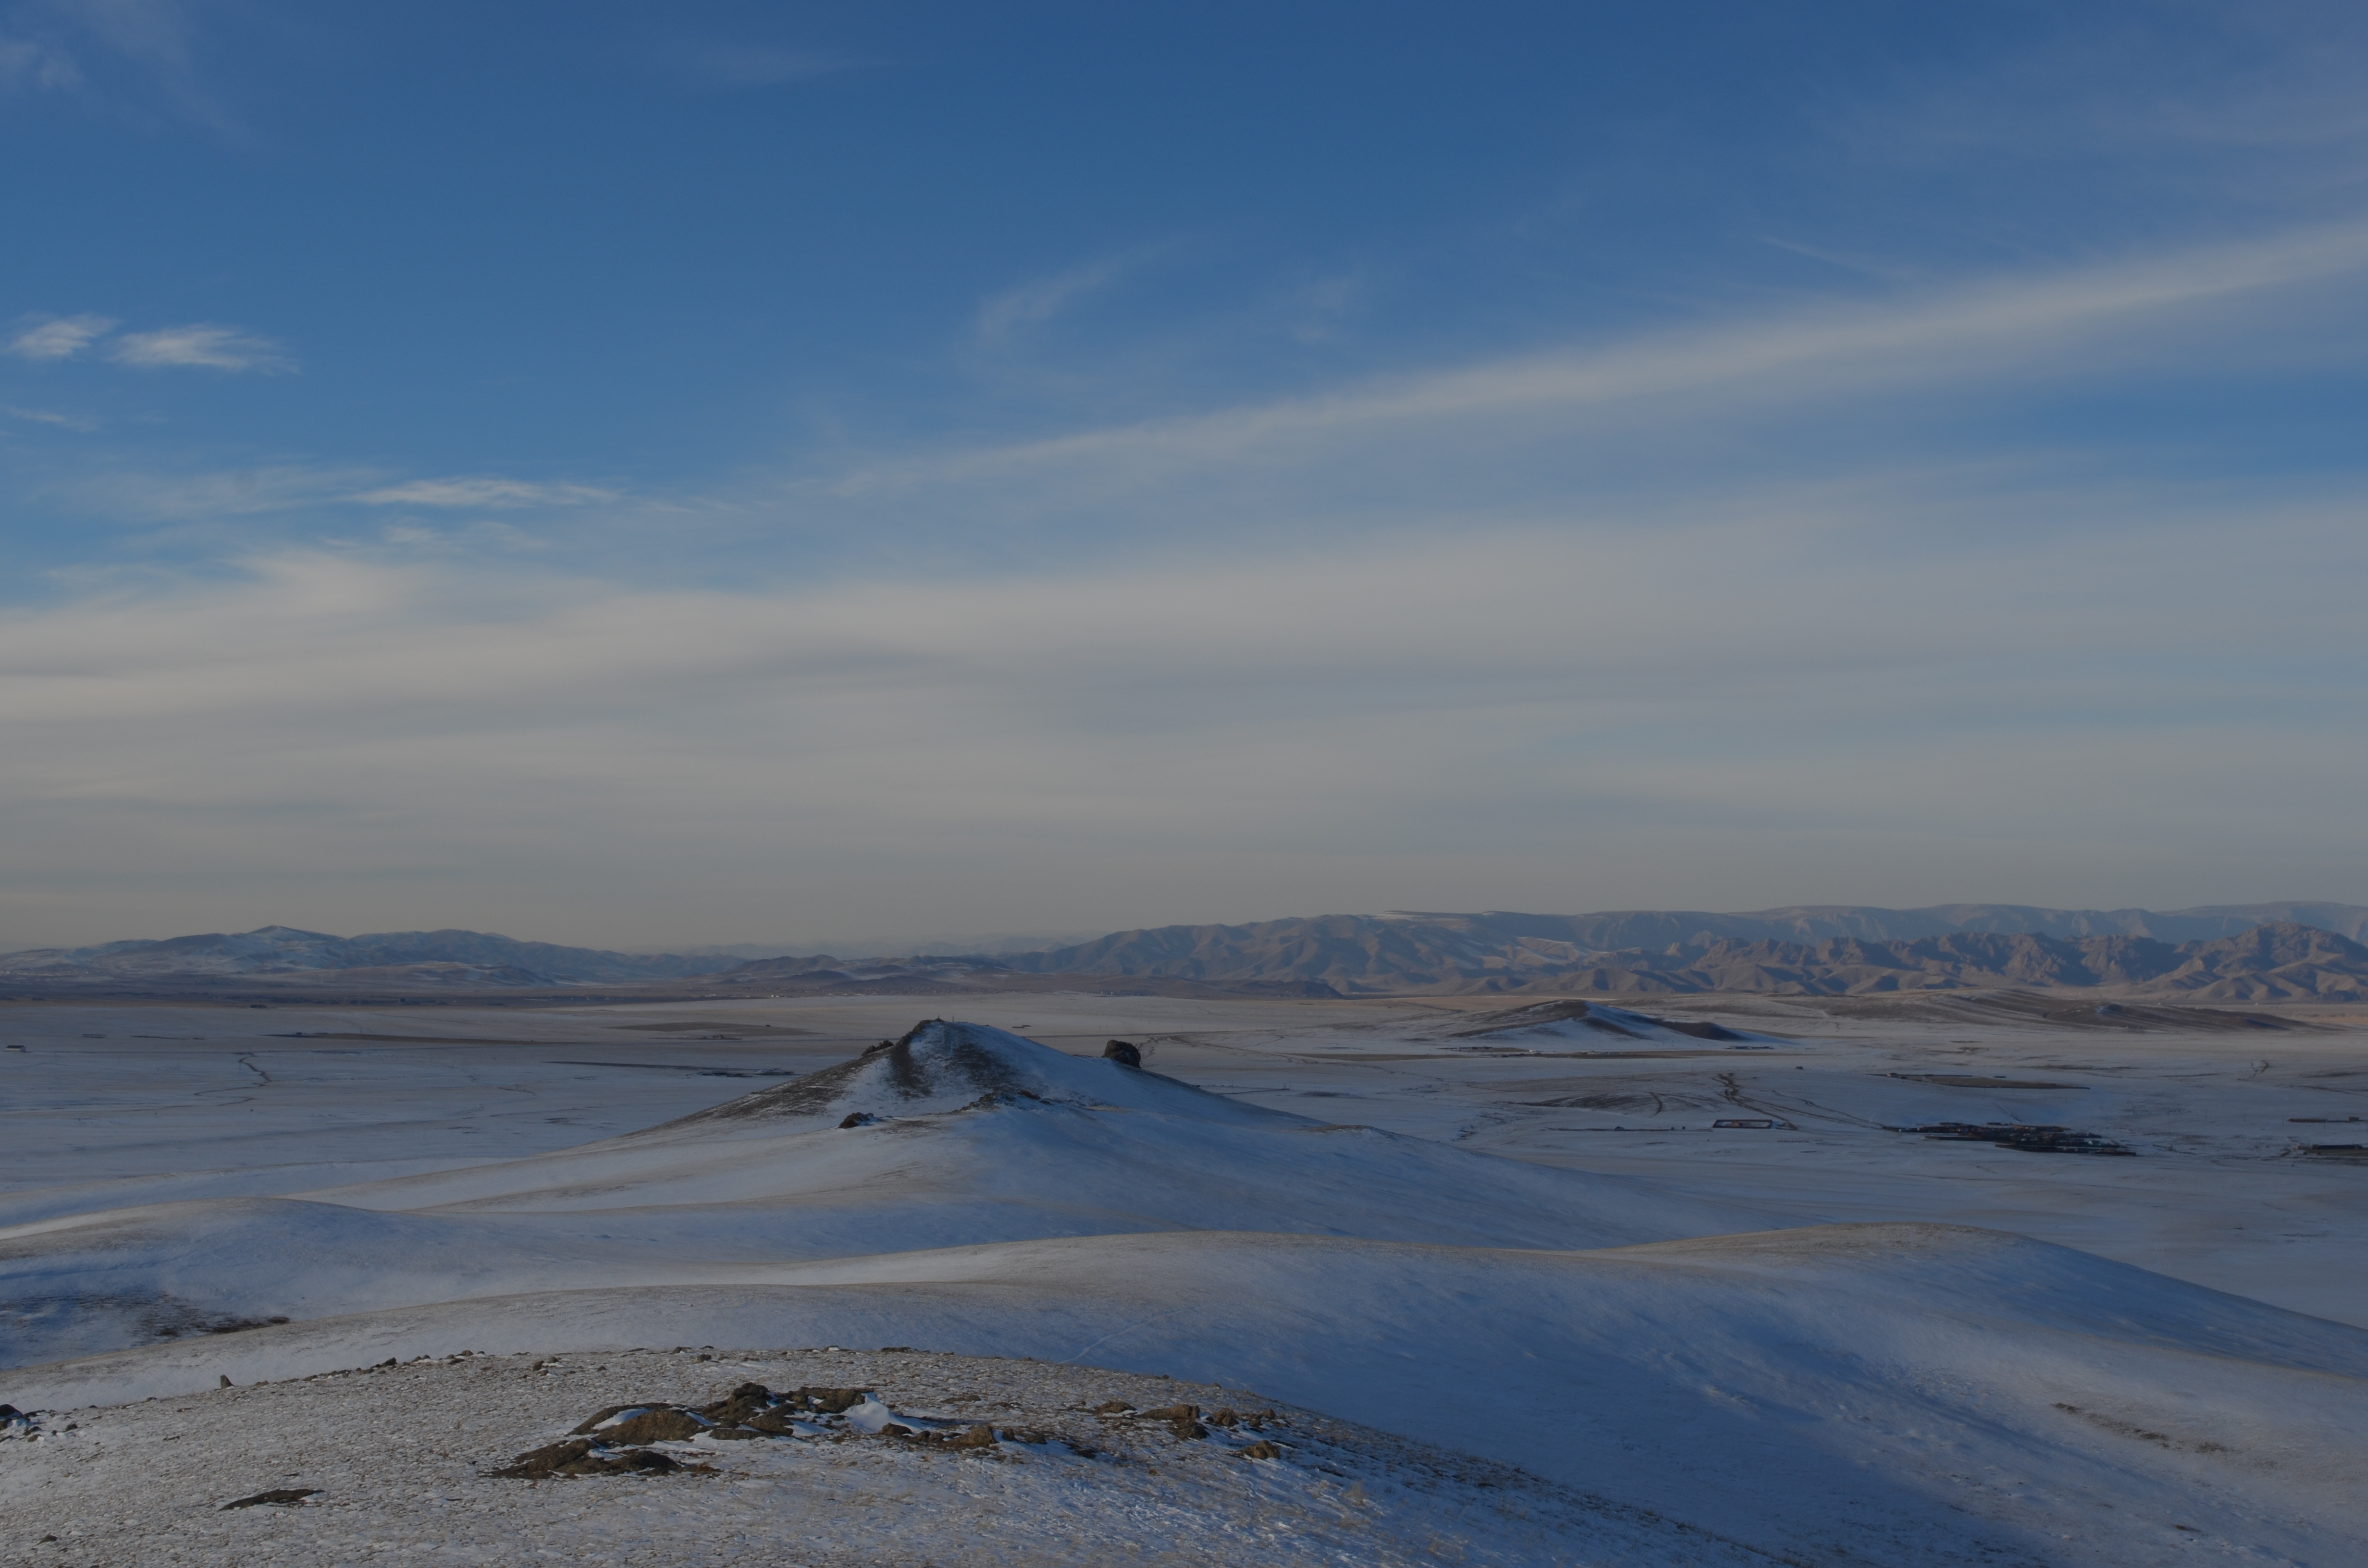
395 1459
963 1134
1899 1393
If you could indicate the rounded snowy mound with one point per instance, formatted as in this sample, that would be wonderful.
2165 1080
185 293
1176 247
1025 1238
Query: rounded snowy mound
941 1066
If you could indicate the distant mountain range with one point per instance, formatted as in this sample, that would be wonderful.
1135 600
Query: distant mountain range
2231 953
2238 953
284 953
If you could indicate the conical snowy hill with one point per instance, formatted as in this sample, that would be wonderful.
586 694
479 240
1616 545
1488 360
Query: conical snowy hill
941 1066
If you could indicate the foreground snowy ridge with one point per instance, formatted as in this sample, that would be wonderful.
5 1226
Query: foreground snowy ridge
1903 1393
403 1459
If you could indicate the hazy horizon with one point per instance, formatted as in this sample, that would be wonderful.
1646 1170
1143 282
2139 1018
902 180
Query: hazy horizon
643 476
993 943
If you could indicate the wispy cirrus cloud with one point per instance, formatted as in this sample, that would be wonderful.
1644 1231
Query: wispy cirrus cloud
137 55
487 490
47 417
131 495
202 345
1004 316
30 64
2081 318
262 489
57 337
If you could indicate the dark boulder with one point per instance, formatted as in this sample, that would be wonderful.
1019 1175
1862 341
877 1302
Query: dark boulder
595 1420
1123 1053
655 1427
579 1457
278 1497
830 1402
743 1402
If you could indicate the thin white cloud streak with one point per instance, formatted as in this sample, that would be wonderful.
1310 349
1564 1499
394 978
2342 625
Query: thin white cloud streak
2016 326
59 337
1501 718
129 494
29 63
482 492
1004 316
132 495
45 417
203 346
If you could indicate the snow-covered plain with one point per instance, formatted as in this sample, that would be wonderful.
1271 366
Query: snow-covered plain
1665 1319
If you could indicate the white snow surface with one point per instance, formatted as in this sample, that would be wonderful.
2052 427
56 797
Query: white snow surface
963 1152
1901 1393
395 1460
1904 1394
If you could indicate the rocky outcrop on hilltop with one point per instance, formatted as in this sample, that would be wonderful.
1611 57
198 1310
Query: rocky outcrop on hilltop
938 1067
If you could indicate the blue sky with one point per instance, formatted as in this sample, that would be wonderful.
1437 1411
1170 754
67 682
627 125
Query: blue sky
645 474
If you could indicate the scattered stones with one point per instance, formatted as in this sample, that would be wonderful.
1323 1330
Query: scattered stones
618 1438
278 1497
622 1437
1061 1483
